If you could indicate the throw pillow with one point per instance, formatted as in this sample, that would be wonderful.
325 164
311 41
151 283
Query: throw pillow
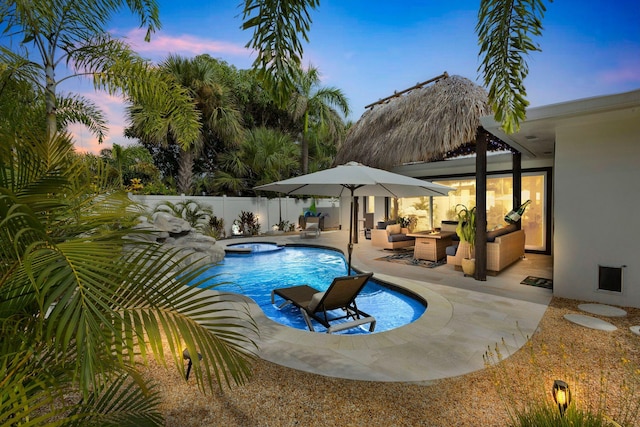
393 229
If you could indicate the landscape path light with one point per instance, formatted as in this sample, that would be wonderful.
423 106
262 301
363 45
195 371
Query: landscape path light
561 395
187 356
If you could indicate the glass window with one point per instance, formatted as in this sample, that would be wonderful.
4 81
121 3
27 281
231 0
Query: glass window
499 203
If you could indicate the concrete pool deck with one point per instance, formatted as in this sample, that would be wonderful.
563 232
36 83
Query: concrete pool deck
463 319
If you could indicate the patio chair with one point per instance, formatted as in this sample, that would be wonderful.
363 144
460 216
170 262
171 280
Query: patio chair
321 306
312 228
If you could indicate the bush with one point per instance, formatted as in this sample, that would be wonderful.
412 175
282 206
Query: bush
249 225
197 216
215 228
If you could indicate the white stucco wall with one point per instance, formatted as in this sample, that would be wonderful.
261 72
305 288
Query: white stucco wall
596 205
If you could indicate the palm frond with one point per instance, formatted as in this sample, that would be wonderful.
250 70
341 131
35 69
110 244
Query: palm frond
119 404
279 27
505 29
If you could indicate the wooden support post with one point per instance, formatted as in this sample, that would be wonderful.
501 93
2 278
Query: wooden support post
481 205
517 182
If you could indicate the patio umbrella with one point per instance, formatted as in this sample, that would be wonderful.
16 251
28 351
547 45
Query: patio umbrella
356 179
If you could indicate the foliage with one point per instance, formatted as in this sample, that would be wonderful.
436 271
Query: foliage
284 225
526 394
130 162
158 187
82 302
504 31
313 106
248 223
74 35
190 210
218 117
278 26
407 221
466 228
265 155
215 228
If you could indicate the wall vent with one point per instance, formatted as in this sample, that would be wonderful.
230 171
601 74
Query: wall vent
610 278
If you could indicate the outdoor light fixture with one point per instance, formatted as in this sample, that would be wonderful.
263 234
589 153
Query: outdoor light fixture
561 395
187 356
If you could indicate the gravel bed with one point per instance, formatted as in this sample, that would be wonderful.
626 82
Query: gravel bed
277 396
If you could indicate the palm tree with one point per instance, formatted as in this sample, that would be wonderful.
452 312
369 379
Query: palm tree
312 105
219 118
74 33
81 301
265 155
127 163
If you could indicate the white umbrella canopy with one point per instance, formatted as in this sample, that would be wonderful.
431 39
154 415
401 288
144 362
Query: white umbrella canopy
355 179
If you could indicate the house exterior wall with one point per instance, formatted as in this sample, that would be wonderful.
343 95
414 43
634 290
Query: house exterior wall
596 198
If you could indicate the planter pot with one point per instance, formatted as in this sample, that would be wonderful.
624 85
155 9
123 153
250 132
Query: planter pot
468 266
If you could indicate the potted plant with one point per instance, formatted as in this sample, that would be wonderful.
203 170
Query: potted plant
466 231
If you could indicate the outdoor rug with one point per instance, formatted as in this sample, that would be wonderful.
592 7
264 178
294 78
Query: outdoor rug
407 258
538 281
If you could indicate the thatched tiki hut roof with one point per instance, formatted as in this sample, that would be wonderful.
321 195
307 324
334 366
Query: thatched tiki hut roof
421 125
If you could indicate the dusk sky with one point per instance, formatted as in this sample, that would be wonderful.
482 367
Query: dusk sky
369 49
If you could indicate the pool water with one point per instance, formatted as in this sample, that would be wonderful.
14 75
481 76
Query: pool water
257 273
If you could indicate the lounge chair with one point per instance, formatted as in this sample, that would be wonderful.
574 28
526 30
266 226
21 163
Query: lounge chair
341 294
312 228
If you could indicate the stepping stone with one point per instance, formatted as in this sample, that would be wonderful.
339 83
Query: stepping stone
635 330
590 322
603 310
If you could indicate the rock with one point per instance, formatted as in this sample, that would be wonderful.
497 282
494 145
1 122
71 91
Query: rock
192 246
165 222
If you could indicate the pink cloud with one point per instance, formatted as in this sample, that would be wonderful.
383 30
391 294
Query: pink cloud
163 44
113 109
628 73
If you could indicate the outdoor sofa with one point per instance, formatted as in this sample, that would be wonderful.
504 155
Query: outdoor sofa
504 247
388 235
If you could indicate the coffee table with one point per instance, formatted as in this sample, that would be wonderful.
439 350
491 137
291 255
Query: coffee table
431 245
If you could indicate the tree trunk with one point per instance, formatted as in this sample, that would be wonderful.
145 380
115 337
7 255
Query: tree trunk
50 99
185 172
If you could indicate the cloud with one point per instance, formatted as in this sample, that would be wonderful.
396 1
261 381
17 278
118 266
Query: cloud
162 44
113 109
625 74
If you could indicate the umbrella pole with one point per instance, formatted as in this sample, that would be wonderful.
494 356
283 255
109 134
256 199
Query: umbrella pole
350 247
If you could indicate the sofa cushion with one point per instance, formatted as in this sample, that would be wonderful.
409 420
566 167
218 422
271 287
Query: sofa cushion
394 229
399 238
448 225
491 235
381 225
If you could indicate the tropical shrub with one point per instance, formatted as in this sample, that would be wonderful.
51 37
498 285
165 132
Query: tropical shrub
82 303
248 223
215 228
190 210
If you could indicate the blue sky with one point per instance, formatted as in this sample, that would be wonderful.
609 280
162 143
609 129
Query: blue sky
371 48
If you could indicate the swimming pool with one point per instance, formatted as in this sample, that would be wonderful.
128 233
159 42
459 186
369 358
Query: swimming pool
255 269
